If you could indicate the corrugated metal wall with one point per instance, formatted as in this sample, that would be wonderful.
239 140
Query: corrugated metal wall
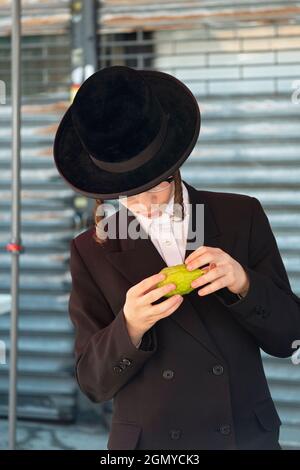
46 388
241 60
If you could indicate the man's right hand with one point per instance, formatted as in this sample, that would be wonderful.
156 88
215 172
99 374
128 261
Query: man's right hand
139 312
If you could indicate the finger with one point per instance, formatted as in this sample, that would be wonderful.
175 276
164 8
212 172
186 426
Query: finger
214 286
201 260
172 309
205 269
209 276
196 253
147 284
204 250
162 307
155 294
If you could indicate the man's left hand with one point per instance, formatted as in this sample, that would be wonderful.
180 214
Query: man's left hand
223 271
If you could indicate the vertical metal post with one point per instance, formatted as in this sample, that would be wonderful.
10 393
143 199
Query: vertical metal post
77 64
89 39
84 41
15 231
84 63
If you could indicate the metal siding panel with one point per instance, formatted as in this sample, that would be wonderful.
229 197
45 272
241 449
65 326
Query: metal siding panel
46 385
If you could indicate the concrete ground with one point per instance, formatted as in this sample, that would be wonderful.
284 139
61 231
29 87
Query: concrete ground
53 436
88 432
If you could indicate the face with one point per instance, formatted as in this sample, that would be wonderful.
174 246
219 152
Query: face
148 202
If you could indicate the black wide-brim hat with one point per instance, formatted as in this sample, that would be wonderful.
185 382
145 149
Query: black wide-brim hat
125 132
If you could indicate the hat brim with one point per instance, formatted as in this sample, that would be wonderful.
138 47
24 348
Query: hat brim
79 171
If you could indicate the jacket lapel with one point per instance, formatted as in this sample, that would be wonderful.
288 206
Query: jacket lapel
138 258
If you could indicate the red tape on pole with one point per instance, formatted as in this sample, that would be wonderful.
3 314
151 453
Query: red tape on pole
14 247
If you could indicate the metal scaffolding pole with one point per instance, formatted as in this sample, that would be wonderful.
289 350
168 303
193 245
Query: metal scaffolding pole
89 39
14 247
84 63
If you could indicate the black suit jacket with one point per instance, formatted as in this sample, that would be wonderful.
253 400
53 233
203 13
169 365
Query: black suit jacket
197 381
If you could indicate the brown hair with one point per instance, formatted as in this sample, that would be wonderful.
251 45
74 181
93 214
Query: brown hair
178 208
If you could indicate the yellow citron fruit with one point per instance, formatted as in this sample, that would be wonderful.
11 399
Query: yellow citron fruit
181 277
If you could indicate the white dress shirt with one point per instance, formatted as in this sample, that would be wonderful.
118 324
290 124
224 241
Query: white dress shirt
168 236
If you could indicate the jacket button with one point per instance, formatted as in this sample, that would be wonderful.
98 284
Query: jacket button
225 429
175 433
261 311
218 369
168 374
117 369
126 361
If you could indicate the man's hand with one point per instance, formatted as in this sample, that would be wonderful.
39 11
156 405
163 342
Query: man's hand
223 271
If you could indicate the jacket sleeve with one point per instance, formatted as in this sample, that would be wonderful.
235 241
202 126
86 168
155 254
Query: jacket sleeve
105 357
270 311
